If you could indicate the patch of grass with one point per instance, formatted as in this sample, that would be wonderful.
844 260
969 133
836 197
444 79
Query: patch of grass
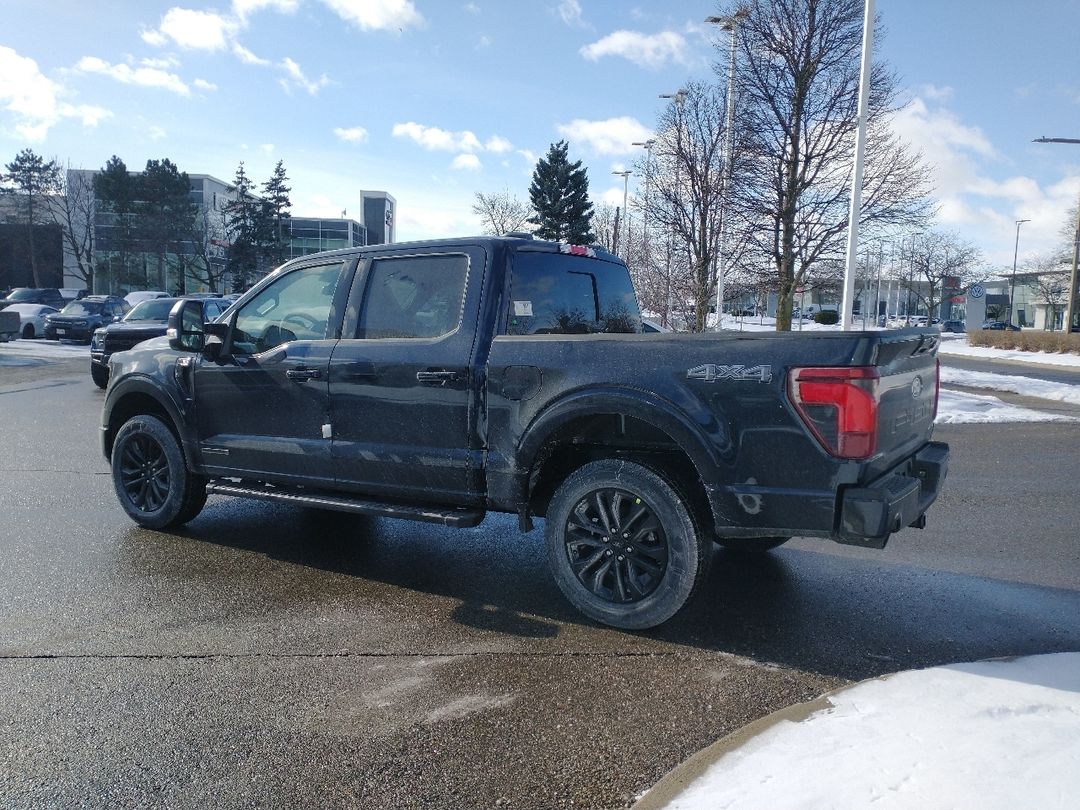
1027 340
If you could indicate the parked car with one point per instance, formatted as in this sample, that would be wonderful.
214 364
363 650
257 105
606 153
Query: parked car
74 293
147 320
78 320
953 326
441 380
1000 326
35 295
139 296
31 318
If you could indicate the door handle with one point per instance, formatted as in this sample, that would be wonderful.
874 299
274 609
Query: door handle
303 374
436 376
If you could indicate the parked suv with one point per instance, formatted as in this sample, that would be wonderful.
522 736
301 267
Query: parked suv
35 295
78 320
147 320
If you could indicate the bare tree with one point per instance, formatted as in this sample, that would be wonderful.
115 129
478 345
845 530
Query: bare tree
73 210
203 258
935 257
1051 278
798 86
606 219
501 212
684 176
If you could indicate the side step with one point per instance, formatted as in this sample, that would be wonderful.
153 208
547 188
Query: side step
458 518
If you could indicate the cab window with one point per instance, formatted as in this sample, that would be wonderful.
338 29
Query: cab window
413 297
294 307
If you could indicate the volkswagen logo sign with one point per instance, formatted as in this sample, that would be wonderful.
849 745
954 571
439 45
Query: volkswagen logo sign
916 387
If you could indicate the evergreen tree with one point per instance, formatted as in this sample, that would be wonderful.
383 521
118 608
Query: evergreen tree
114 192
166 213
275 210
32 178
242 214
560 196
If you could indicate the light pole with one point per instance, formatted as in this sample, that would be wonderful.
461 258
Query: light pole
731 25
625 174
647 146
1012 284
679 96
1070 301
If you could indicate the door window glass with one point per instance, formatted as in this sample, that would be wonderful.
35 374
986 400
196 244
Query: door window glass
413 297
295 307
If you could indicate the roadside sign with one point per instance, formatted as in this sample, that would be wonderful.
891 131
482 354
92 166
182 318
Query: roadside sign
976 291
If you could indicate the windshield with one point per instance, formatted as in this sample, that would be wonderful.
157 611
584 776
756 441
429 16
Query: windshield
82 308
25 294
153 310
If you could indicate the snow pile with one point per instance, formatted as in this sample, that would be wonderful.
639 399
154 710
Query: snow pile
961 347
1043 389
996 735
955 408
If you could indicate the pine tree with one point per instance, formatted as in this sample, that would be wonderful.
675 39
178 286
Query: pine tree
32 178
560 196
114 193
276 205
166 212
242 215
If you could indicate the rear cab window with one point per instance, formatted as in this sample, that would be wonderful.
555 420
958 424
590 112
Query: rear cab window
560 294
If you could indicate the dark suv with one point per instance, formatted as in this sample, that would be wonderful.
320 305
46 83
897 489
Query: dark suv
78 320
34 295
146 320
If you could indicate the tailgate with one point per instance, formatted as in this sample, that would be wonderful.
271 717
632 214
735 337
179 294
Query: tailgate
907 362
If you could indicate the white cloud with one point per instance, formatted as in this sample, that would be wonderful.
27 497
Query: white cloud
614 136
162 63
245 8
352 134
650 51
247 57
197 30
377 15
498 145
472 8
155 38
468 162
438 140
156 133
570 11
141 76
484 41
528 155
267 148
35 101
295 77
203 84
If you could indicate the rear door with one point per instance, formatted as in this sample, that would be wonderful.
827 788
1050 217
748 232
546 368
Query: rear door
262 409
403 399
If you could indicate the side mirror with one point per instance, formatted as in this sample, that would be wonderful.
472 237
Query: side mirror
185 330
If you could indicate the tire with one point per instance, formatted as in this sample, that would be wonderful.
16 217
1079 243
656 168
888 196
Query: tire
28 331
664 557
100 375
150 477
751 544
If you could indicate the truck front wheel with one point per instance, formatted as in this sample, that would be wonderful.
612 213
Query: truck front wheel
152 482
623 545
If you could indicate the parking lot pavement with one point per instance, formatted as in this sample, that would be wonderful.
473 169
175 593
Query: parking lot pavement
267 656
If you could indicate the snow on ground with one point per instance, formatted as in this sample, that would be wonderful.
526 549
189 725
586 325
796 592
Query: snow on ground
1043 389
961 347
955 408
996 735
12 352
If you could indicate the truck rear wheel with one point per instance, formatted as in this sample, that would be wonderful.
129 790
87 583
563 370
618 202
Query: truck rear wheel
151 479
623 546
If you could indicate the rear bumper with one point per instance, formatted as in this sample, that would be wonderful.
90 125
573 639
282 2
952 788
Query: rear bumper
898 499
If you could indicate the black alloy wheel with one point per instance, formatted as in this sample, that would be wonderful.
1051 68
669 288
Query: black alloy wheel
616 546
623 544
150 476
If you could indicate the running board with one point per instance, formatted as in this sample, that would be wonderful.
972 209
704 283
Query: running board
458 518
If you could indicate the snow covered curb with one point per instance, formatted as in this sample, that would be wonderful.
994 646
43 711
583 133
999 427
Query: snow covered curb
996 735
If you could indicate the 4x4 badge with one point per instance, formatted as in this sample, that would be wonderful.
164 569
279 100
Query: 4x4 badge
711 373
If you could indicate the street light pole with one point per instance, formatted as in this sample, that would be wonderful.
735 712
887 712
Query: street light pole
1070 301
625 174
647 145
1012 284
731 25
679 96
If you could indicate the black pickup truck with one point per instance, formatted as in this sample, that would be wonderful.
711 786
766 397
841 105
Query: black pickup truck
440 380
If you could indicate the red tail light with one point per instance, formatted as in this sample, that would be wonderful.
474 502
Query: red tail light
840 406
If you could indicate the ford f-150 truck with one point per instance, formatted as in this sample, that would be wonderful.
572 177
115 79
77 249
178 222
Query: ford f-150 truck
441 380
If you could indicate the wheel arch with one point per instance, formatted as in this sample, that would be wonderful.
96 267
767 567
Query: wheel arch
135 397
616 423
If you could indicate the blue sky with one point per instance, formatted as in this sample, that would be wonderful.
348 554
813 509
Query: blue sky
435 100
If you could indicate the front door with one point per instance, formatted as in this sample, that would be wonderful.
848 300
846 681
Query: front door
262 409
402 401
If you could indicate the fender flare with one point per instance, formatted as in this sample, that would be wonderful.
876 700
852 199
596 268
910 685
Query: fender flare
144 386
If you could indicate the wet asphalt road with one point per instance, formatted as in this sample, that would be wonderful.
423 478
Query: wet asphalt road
270 657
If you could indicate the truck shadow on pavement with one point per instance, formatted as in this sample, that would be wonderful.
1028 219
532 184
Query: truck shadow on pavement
808 610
